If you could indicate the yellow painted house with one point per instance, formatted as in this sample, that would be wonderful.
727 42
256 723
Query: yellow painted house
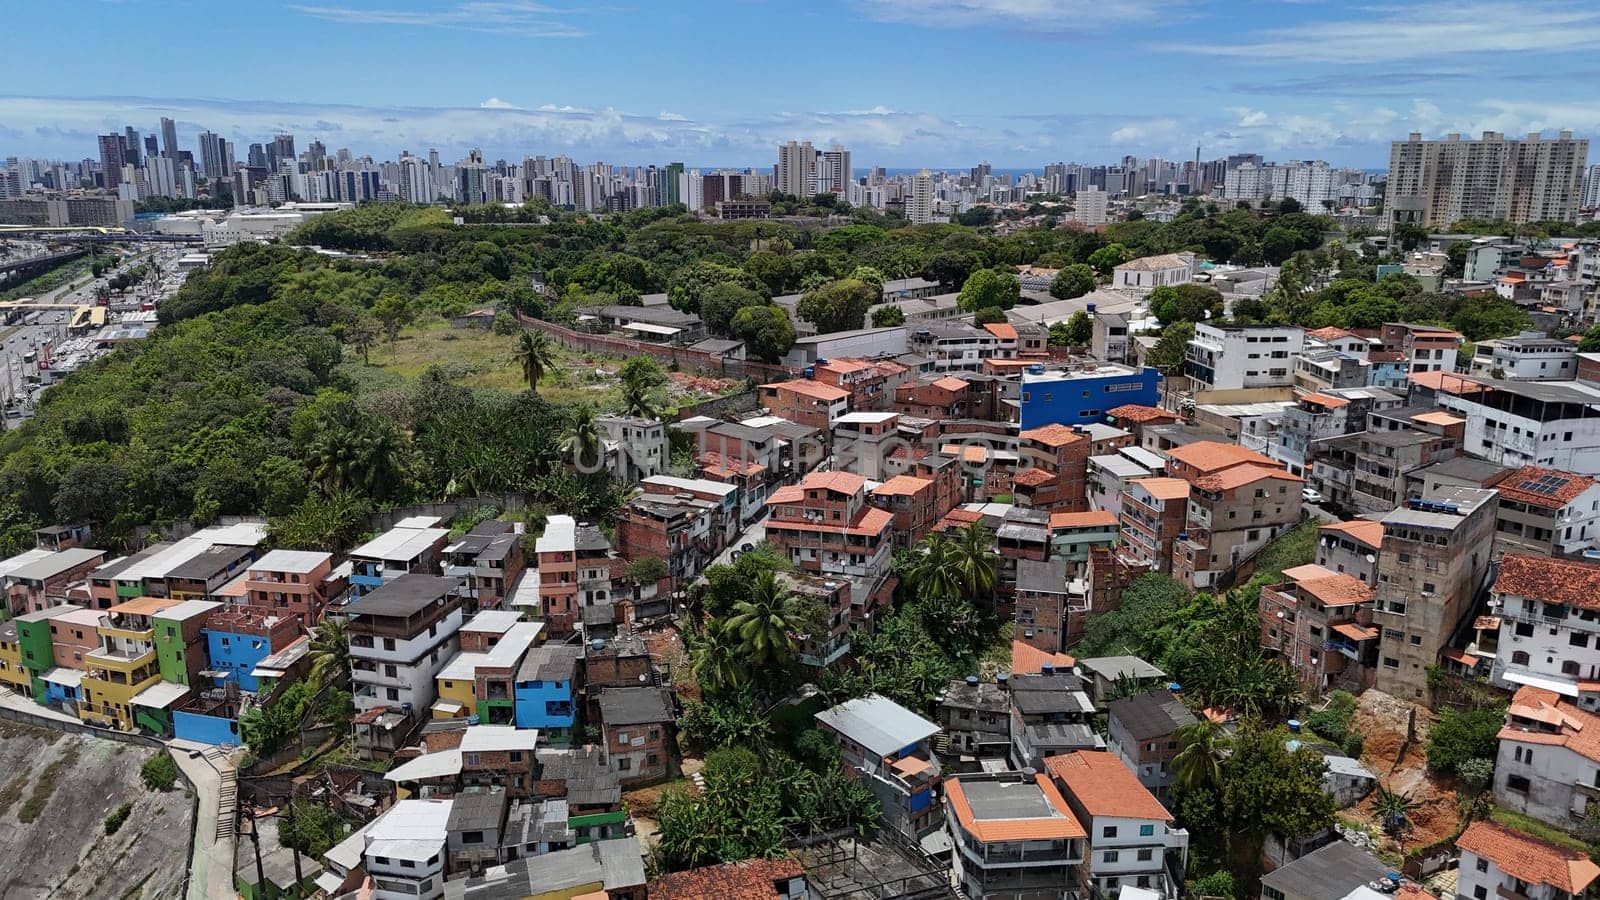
12 674
457 686
124 664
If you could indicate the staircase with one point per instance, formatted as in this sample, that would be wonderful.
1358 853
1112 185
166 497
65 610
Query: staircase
227 792
941 743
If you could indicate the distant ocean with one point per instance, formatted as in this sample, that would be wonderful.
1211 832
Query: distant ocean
958 170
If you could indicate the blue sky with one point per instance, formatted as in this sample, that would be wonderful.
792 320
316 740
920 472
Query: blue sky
720 82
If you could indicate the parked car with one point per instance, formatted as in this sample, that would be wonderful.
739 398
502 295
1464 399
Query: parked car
1310 495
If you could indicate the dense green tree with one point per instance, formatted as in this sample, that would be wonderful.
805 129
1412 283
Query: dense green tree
950 268
1079 330
330 653
766 331
691 282
838 305
989 315
767 623
719 304
1185 303
1202 747
1107 258
642 379
1072 281
583 443
1460 735
989 287
1172 347
888 317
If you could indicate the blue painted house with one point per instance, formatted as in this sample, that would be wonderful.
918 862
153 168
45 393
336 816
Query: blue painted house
239 639
545 692
1082 396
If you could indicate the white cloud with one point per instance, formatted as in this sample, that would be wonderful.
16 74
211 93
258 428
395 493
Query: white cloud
496 103
1387 34
671 117
511 17
1046 16
1249 118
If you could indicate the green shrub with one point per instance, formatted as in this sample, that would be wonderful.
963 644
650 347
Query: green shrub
1353 745
1216 884
117 817
159 772
1461 736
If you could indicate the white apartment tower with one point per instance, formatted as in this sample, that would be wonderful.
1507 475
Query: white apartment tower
833 171
920 200
1090 207
796 172
1436 183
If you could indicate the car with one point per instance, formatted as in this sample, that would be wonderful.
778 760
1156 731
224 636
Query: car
1310 495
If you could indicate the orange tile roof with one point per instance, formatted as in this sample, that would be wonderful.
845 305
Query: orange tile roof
911 765
958 518
1330 333
1550 580
1449 382
1026 659
842 482
1164 488
716 465
1355 632
1214 456
1238 476
902 485
813 389
1135 412
1528 858
1516 485
144 606
789 493
1104 786
1005 331
1332 588
751 879
844 365
1060 826
1092 519
969 453
1365 531
871 522
1052 435
1325 400
951 383
1438 418
1033 478
1575 729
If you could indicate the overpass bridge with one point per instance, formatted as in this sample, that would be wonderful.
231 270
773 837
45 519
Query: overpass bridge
23 269
95 234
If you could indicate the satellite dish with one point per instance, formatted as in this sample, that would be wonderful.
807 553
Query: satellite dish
1371 558
643 679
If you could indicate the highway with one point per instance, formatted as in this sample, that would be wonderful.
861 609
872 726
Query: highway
50 325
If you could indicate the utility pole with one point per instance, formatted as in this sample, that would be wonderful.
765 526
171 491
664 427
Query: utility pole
294 843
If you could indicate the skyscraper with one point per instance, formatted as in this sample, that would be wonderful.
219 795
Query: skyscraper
211 155
1089 207
671 184
131 145
833 171
920 201
169 137
1437 183
797 169
111 159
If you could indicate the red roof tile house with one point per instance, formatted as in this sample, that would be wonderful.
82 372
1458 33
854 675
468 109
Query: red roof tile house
1014 836
867 382
1546 512
1320 623
1549 626
911 500
809 403
947 398
1351 547
1154 513
1497 862
824 526
1132 838
1059 458
1134 417
1548 765
752 879
1233 513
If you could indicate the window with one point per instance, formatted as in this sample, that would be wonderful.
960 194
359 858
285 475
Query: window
1109 831
1483 865
624 764
1518 783
1111 856
1390 662
1146 854
1416 640
1519 658
1146 830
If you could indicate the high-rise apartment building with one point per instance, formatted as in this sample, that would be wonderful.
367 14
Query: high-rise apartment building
169 137
282 149
111 160
1090 207
796 172
1436 183
211 155
1591 188
672 184
833 171
920 200
131 145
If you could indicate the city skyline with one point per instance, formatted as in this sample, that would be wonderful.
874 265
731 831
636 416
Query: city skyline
1017 82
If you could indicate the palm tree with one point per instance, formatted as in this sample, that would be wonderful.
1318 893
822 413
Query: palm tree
330 653
714 655
636 400
583 443
767 622
352 450
1393 809
1198 763
536 355
976 561
931 569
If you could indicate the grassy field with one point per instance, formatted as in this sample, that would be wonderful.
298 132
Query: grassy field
1554 835
476 358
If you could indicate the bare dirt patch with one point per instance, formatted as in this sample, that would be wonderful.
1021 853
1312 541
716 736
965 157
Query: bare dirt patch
1402 766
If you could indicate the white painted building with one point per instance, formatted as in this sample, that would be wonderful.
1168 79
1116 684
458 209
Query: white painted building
404 851
1519 423
1548 764
1532 356
1089 207
1133 841
1549 611
401 635
1225 358
1498 863
1149 272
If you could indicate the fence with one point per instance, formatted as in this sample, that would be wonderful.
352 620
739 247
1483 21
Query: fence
682 357
126 737
721 407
